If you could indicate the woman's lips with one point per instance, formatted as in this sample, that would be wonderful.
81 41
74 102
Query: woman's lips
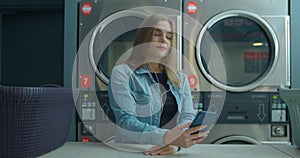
161 47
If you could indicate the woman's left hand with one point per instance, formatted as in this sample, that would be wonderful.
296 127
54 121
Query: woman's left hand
161 150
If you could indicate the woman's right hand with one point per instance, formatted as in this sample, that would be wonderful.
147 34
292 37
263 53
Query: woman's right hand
180 137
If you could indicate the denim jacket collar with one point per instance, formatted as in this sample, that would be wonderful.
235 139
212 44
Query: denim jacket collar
142 70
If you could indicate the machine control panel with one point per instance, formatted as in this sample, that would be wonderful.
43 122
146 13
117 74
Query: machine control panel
93 110
94 106
278 109
88 108
279 131
279 116
197 99
256 108
248 107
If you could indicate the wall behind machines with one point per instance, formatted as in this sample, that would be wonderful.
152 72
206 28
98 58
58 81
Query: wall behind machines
32 44
70 50
295 47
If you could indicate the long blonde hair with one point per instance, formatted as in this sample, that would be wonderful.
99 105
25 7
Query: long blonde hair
145 35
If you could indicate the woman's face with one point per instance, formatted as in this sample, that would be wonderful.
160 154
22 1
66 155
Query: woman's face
161 40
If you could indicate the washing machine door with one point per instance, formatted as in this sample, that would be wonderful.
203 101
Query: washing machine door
237 139
111 38
248 47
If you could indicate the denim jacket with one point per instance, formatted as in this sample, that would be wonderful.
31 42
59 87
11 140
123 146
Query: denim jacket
136 101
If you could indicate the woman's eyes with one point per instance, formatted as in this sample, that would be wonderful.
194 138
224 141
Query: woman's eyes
158 34
169 37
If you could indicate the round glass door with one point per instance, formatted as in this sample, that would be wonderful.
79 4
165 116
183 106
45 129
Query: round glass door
111 39
247 45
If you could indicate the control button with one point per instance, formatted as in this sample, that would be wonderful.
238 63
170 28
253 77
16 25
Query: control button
278 115
278 106
283 106
84 104
88 114
85 139
88 129
200 106
278 131
85 97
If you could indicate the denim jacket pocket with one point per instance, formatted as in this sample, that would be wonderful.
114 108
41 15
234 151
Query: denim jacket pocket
141 98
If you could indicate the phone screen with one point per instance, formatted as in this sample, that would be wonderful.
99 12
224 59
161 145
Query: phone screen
204 118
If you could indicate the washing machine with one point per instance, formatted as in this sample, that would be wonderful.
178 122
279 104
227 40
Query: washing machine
241 50
106 30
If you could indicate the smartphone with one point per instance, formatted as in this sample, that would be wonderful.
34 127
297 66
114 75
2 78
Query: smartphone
204 118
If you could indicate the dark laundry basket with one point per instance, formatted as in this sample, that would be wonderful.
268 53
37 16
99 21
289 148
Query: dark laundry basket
33 120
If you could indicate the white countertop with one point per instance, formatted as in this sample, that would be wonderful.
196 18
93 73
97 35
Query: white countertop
92 150
289 150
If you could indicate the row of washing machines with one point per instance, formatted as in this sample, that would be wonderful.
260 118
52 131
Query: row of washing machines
250 37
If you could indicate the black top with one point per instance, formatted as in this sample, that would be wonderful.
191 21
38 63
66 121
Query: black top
170 107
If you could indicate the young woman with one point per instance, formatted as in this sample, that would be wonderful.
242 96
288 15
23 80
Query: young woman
151 100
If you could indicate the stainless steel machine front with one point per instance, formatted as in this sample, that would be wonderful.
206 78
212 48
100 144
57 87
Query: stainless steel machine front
240 48
106 31
251 37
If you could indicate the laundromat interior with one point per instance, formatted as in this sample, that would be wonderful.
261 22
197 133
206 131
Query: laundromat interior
240 59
